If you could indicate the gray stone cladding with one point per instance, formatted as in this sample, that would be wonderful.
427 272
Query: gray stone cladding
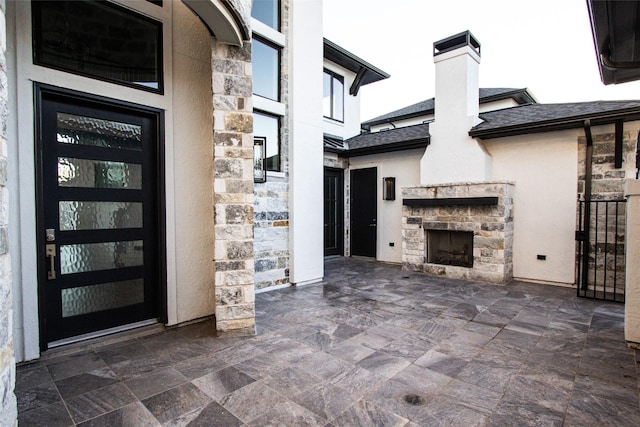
271 216
271 233
492 228
8 405
233 187
337 162
607 184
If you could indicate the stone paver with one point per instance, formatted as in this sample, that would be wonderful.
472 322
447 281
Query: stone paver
371 345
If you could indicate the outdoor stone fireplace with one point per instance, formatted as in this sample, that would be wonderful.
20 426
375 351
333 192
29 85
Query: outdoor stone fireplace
461 230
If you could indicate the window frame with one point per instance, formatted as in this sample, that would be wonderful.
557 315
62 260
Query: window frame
278 18
36 33
340 78
255 69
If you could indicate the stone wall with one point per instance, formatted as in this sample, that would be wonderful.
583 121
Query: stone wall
233 187
8 406
607 181
607 257
271 232
492 228
271 217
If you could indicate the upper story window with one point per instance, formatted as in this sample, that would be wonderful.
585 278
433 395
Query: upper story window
265 61
267 12
100 40
333 96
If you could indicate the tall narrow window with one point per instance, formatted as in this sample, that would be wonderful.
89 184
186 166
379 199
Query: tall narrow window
333 96
267 12
268 126
265 61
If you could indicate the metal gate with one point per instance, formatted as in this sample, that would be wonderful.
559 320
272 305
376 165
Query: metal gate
601 251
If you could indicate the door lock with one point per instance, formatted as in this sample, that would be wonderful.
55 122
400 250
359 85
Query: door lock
50 251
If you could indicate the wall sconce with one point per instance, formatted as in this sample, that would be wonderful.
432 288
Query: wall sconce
388 188
259 159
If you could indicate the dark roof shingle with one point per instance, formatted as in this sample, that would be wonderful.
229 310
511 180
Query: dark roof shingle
546 117
404 138
425 107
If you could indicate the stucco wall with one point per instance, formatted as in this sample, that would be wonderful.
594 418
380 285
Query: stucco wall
405 167
306 143
544 170
193 149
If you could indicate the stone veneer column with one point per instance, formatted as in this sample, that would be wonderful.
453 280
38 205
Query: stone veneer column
233 187
8 406
632 273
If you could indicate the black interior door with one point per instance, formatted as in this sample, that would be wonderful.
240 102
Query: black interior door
364 215
333 212
99 250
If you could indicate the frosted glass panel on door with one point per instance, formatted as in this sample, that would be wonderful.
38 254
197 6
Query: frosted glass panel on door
82 130
98 174
100 256
76 215
105 296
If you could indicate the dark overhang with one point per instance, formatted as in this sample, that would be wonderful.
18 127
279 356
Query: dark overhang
556 124
452 201
387 148
616 34
365 72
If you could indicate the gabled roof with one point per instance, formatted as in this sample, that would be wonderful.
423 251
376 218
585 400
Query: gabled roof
404 138
365 72
526 119
521 96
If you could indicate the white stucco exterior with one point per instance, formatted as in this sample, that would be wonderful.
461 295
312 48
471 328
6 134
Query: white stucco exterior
306 143
405 167
544 168
188 161
453 155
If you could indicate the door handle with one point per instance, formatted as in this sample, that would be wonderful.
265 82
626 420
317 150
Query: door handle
372 225
50 251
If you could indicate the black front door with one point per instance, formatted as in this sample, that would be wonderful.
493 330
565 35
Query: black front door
333 212
364 211
98 207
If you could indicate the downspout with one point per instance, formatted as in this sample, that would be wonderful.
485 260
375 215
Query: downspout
586 225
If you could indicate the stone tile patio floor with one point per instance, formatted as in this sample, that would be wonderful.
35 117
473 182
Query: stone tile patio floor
370 346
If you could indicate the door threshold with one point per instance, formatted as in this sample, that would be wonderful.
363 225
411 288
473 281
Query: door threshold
100 334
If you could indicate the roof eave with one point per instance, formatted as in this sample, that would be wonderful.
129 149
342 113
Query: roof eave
388 148
556 125
615 35
346 59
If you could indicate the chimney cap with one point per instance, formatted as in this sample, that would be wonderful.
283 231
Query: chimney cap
455 42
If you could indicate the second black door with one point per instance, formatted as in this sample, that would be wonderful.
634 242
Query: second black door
364 214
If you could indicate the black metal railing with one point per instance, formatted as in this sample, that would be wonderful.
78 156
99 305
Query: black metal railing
601 251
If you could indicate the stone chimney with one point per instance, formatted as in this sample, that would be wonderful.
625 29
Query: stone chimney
453 156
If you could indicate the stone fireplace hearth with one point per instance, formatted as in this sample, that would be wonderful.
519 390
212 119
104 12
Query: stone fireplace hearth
460 230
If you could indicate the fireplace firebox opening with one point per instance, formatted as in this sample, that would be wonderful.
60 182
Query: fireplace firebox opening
450 248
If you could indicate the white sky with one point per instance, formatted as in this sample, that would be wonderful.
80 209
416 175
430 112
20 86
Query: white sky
544 45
